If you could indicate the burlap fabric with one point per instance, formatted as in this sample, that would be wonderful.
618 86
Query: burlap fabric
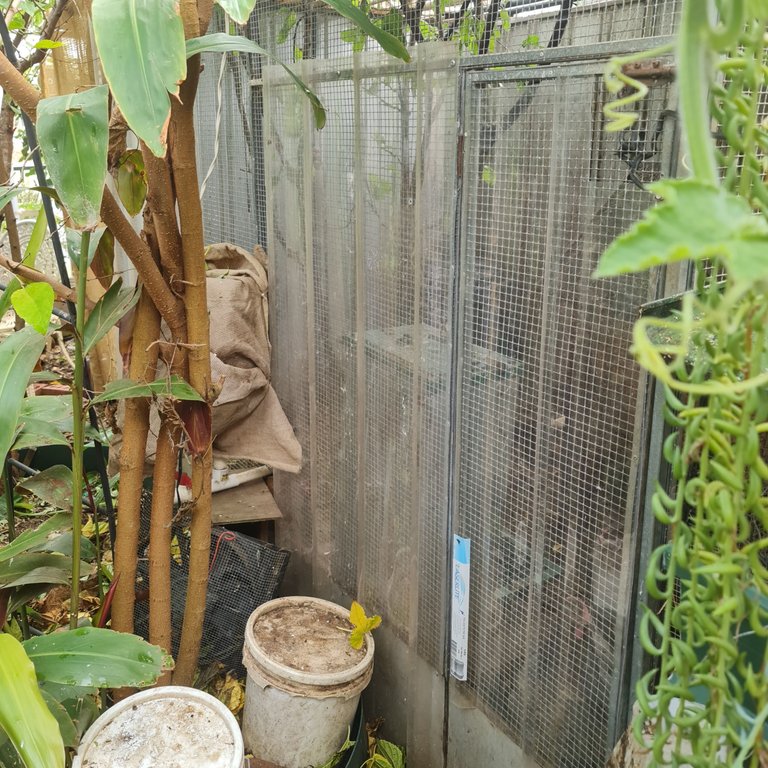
248 421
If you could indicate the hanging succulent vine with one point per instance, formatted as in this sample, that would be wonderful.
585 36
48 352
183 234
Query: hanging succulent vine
711 357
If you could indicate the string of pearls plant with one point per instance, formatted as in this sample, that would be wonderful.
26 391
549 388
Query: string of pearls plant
711 357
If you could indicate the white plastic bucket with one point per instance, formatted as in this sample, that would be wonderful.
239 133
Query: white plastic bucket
171 726
304 680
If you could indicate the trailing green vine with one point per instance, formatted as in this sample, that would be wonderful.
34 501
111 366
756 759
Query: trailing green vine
707 699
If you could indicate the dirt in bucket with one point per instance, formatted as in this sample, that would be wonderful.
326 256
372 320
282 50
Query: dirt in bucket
308 638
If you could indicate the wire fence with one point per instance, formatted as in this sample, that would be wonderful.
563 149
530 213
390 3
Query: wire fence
439 345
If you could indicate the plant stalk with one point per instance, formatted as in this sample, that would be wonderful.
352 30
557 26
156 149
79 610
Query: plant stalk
78 425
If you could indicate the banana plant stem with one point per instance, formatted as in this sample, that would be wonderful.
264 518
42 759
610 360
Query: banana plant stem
78 428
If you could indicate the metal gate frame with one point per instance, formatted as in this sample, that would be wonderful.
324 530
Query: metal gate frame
477 727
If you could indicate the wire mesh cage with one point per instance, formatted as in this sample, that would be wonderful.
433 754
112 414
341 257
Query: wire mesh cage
244 573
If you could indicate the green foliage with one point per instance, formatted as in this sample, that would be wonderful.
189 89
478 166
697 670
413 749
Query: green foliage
89 656
707 699
126 31
725 228
239 10
386 755
33 538
222 43
18 355
131 181
34 304
24 716
108 310
392 45
73 133
173 386
53 486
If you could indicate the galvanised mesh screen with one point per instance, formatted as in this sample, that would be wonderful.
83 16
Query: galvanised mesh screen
228 135
548 398
297 31
369 202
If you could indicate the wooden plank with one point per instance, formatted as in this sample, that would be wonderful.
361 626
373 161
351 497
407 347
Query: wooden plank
249 503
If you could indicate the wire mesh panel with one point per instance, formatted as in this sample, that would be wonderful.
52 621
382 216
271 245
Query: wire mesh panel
369 201
548 398
361 238
229 147
301 30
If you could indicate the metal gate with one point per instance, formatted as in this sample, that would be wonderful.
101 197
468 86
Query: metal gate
548 425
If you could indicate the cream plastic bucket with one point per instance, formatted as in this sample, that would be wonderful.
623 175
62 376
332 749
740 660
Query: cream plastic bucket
304 680
167 727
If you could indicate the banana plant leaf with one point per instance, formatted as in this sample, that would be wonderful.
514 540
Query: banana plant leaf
24 715
73 132
141 45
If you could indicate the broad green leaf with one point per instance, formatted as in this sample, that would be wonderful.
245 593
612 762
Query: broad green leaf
73 132
357 16
35 433
391 752
56 409
36 536
30 254
131 181
52 485
78 701
221 42
35 568
67 728
239 10
141 44
18 355
24 716
694 221
122 389
109 309
95 657
34 304
62 544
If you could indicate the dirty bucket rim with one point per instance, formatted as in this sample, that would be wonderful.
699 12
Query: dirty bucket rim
163 692
259 657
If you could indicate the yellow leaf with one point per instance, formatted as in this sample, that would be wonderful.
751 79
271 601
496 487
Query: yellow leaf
362 624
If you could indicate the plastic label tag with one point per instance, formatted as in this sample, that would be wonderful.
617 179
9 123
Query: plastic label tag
460 608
